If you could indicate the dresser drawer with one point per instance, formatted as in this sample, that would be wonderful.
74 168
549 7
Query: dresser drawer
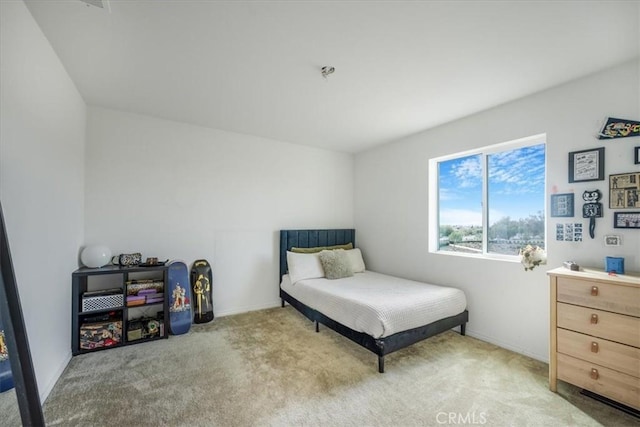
606 382
604 296
613 327
620 357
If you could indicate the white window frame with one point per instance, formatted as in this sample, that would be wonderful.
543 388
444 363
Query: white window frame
434 208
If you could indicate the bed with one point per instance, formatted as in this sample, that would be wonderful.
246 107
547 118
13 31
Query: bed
381 323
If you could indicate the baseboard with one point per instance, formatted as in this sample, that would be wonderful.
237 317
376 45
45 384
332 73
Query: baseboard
245 309
621 407
46 390
505 345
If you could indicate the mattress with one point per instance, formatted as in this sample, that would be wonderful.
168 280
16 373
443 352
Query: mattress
377 304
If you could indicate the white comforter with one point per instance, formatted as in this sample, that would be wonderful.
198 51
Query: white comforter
377 304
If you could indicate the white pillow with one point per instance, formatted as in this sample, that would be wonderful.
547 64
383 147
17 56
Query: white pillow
355 259
304 266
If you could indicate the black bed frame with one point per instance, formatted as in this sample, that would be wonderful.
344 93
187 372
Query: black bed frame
379 346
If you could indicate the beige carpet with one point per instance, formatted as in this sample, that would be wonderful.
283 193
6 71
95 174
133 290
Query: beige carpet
9 412
270 368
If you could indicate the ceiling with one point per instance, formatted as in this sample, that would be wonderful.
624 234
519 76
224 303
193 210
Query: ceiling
253 67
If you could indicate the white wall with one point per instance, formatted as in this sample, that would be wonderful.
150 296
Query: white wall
507 306
178 191
41 184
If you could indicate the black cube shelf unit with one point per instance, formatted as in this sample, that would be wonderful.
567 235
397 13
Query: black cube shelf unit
115 306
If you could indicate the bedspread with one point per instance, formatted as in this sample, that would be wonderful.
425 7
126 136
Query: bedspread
377 304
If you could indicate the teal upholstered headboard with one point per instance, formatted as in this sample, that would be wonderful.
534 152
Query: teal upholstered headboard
310 239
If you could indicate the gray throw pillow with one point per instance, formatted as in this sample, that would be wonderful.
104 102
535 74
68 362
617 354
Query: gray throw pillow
336 264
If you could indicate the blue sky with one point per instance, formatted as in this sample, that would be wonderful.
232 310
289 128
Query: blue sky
516 186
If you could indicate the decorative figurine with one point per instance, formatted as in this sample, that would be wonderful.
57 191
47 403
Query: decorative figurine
592 209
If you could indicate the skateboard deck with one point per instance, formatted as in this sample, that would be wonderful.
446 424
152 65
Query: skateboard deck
6 378
201 284
179 298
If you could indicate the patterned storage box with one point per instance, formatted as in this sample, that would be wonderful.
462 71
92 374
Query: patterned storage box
102 300
100 334
135 287
141 292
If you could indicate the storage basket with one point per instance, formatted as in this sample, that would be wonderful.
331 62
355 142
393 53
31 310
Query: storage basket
134 287
100 334
102 302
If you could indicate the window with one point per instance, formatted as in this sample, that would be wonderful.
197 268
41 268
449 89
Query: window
489 201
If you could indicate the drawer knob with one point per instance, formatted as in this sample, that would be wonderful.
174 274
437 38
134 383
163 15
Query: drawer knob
594 291
594 319
594 347
594 374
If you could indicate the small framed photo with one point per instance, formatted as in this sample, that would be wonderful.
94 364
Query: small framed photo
624 190
636 156
626 220
586 165
612 240
562 205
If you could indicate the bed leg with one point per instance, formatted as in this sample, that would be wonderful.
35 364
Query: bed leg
462 328
282 303
381 364
317 326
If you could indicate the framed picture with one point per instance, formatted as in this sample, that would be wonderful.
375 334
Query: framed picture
612 240
562 205
626 220
619 128
624 190
586 165
569 232
636 151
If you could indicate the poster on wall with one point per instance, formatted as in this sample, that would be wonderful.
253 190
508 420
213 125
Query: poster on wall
619 128
624 190
626 220
562 205
586 165
569 232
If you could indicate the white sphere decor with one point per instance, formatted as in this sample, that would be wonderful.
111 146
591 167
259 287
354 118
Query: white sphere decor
95 256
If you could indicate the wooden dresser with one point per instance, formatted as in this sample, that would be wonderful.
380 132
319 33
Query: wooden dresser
595 333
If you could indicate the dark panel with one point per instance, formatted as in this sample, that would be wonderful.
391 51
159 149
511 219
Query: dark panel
313 240
303 239
323 240
293 240
403 339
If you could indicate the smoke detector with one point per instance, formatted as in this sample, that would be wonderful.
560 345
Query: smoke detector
326 70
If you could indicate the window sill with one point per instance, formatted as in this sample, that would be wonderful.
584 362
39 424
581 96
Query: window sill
490 257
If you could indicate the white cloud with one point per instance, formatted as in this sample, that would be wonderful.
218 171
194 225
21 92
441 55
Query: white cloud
520 170
469 172
460 217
